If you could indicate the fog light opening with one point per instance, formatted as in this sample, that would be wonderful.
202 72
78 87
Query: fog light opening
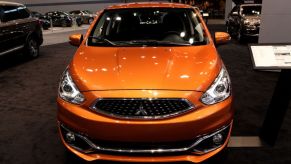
70 137
76 140
212 141
217 139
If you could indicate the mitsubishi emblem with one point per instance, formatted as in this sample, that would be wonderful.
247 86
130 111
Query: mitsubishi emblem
141 111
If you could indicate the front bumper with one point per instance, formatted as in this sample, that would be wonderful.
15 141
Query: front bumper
202 120
251 30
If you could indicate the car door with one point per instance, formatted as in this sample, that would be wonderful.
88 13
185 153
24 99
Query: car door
85 16
75 13
24 23
10 35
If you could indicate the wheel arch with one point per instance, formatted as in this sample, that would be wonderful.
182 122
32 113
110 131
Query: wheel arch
36 34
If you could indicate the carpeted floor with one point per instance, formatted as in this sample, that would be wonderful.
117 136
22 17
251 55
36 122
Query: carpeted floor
28 132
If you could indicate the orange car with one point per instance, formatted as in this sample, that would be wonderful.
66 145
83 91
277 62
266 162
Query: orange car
146 85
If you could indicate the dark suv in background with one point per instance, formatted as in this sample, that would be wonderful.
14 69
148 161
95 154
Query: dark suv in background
244 21
18 30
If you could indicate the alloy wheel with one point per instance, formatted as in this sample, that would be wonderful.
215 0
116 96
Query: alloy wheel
33 49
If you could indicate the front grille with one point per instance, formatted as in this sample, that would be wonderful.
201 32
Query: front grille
142 108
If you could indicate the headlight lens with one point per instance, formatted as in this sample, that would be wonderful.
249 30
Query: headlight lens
246 22
69 91
219 90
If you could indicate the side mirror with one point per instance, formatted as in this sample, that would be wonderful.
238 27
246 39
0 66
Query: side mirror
222 37
76 39
235 13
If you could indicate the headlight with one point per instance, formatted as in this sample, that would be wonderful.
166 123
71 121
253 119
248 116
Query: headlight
246 22
219 90
69 91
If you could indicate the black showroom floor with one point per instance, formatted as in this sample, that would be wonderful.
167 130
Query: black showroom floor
28 89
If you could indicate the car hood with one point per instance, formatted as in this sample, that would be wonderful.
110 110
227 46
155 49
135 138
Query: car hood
167 68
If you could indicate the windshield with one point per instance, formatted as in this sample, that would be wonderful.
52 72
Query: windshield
63 14
148 27
251 10
87 12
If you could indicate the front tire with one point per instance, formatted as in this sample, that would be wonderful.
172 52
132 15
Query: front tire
79 23
31 48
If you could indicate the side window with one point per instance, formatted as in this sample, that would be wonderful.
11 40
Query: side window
77 12
235 11
36 15
23 12
53 15
10 13
50 14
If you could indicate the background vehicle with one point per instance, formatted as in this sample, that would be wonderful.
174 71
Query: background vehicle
18 30
87 16
45 21
244 21
204 15
63 19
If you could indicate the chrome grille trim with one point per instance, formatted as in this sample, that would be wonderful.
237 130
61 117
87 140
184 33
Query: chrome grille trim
190 107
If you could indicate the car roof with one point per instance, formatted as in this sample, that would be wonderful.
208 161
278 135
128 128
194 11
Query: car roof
5 3
149 5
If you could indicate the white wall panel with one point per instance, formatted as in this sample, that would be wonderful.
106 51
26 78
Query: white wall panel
69 5
228 7
275 22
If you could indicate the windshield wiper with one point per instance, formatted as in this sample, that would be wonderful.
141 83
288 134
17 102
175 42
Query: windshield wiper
101 39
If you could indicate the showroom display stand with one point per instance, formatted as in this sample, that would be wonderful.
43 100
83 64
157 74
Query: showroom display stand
274 57
277 109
